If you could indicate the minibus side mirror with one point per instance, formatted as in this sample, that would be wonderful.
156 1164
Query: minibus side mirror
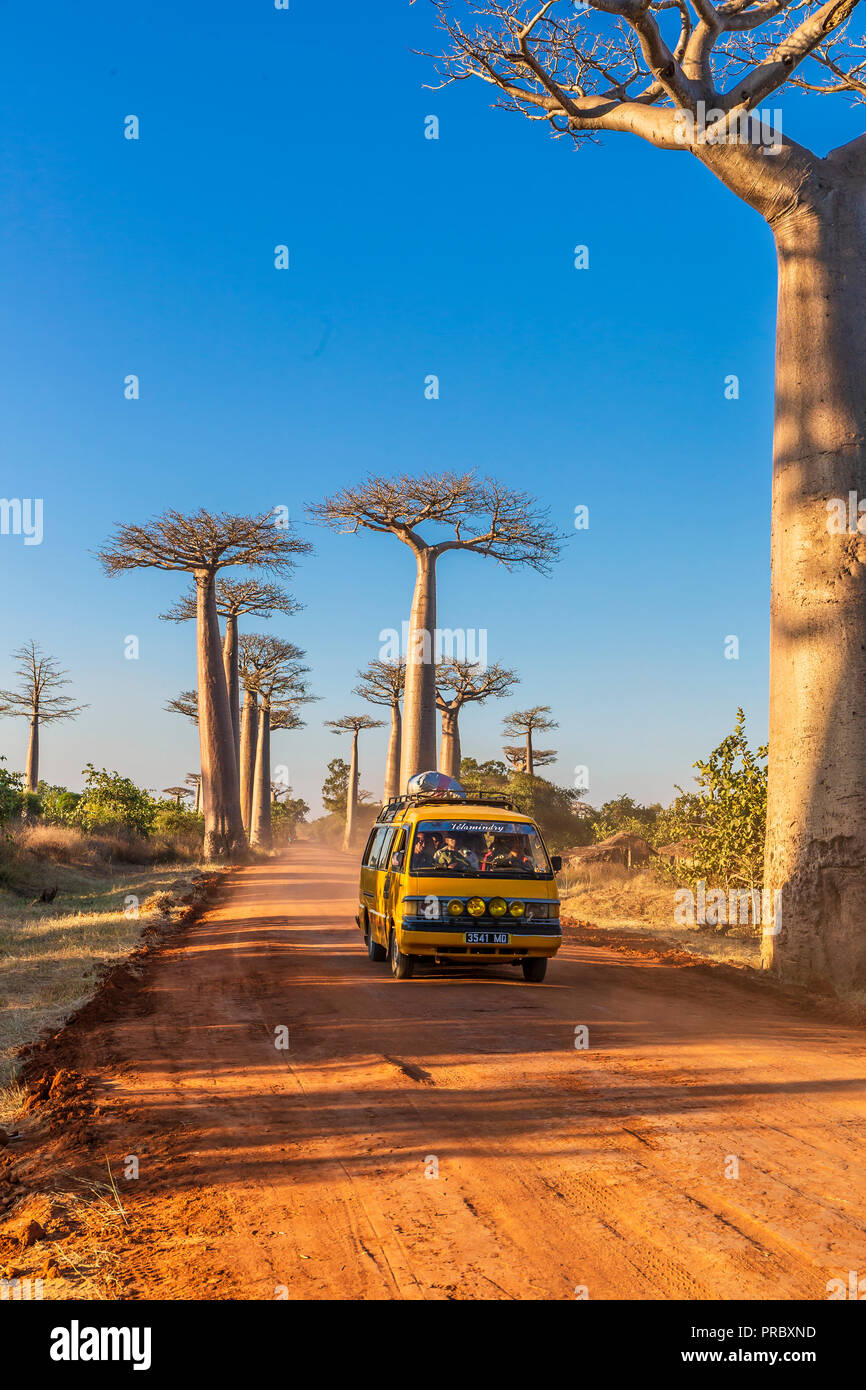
556 862
397 860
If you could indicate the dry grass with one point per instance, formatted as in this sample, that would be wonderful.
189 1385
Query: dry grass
50 954
67 844
642 904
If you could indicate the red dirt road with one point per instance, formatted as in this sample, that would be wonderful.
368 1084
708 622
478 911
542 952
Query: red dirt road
306 1169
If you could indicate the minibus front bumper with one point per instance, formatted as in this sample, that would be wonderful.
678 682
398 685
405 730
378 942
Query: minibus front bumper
448 941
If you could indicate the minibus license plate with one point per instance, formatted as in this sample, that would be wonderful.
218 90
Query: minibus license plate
487 938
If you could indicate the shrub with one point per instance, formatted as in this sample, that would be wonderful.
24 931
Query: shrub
12 794
109 801
725 819
286 816
57 803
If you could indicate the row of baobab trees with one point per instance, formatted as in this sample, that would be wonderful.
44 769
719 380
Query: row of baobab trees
250 684
458 683
466 513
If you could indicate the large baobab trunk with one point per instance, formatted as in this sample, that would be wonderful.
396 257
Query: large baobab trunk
530 764
260 819
449 752
230 666
223 830
418 751
31 774
816 815
351 794
392 760
249 739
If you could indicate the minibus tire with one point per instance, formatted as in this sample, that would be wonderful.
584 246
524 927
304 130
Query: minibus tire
401 966
376 952
534 969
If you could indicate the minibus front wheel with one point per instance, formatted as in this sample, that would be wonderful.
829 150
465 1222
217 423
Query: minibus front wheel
374 950
534 969
401 966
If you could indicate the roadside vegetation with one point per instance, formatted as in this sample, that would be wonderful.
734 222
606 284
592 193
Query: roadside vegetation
81 874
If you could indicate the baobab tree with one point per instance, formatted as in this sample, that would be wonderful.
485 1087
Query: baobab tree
460 683
515 756
271 718
259 655
382 683
524 723
176 793
235 597
690 78
193 779
38 699
352 724
277 680
483 517
202 544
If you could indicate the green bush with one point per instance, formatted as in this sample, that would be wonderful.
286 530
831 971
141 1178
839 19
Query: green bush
12 794
112 801
57 804
625 814
725 820
286 816
171 819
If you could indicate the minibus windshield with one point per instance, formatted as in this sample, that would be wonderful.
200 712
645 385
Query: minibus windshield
494 849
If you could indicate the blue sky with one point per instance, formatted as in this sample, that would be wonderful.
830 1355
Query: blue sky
602 387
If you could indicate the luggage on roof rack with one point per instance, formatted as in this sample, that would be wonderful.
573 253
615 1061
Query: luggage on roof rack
400 803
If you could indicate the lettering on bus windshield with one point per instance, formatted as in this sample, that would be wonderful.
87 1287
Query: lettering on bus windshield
483 827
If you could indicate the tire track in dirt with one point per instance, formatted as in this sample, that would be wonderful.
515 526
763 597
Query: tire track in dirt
443 1137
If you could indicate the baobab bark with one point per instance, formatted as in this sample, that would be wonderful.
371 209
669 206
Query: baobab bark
230 665
260 818
392 759
223 831
351 794
530 764
816 813
249 739
418 750
449 750
31 775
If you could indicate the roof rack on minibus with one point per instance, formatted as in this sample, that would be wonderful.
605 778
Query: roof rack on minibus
396 804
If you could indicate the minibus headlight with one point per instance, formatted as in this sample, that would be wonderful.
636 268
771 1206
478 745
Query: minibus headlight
498 906
475 907
455 907
537 910
517 908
